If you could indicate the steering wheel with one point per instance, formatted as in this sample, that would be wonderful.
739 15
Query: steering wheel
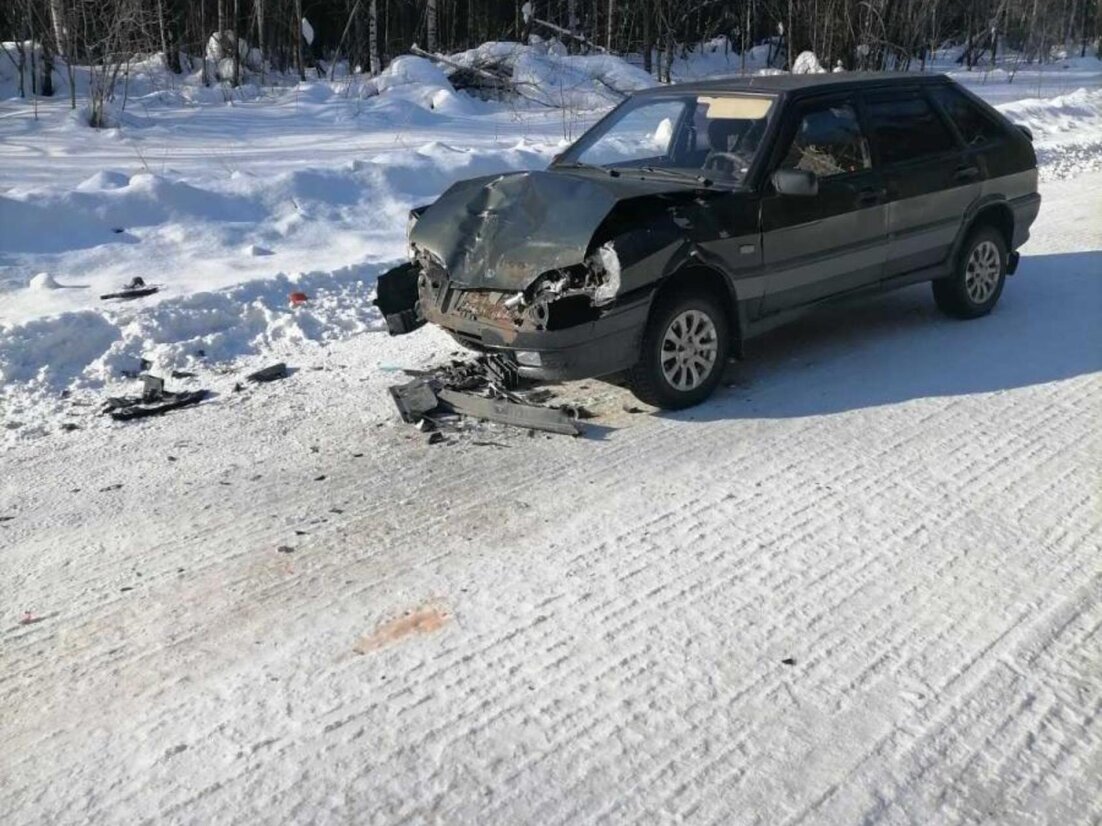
726 163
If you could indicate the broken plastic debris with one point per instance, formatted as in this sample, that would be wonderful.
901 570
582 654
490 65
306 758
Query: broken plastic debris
153 401
270 373
135 289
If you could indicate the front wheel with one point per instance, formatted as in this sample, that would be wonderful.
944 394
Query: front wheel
684 351
977 282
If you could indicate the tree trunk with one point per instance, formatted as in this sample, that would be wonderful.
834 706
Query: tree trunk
261 38
789 58
299 63
373 37
430 25
57 20
236 42
611 20
648 42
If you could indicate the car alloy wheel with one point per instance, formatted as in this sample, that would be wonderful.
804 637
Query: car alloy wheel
689 350
981 274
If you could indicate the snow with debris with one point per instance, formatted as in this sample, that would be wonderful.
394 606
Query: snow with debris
840 591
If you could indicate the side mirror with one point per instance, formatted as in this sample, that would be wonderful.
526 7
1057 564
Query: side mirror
795 182
1025 130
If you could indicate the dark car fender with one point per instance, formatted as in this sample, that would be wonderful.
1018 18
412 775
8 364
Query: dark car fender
656 257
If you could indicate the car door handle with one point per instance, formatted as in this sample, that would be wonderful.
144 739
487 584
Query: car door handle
966 173
870 196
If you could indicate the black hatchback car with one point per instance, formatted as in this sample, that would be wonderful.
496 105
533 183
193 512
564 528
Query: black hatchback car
693 217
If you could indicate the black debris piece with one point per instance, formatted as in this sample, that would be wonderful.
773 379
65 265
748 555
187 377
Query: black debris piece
153 401
789 661
182 374
285 549
395 294
502 372
271 373
69 427
135 289
319 478
631 408
144 366
435 437
6 518
577 411
414 399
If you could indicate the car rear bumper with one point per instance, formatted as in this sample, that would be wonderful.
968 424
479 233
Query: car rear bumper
1025 211
606 345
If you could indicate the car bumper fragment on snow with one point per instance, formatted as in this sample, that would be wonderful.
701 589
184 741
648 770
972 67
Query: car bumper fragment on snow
480 389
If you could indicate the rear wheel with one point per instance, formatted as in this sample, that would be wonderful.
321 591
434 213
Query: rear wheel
684 351
975 286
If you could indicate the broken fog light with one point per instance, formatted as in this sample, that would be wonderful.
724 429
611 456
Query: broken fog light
529 358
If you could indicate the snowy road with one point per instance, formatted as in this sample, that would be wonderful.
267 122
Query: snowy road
863 584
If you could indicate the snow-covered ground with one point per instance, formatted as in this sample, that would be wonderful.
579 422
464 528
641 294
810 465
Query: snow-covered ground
862 584
231 207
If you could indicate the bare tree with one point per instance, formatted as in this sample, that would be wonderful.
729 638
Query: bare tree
430 25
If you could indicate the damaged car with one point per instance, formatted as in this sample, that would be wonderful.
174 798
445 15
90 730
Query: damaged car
693 217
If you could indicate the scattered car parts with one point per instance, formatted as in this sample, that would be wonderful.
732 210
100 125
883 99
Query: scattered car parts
273 372
135 289
487 388
153 401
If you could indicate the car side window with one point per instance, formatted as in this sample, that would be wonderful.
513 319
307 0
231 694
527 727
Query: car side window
907 128
828 141
974 125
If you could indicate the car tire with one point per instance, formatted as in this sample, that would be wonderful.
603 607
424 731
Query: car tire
978 277
672 377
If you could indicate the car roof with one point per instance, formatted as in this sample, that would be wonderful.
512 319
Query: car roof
793 85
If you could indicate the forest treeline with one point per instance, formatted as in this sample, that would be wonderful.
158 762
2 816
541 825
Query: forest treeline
270 35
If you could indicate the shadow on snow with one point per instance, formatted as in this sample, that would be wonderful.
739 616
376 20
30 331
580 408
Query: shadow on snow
897 347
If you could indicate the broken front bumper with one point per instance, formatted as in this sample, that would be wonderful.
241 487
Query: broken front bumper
599 347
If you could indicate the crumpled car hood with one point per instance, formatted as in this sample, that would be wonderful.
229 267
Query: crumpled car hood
503 231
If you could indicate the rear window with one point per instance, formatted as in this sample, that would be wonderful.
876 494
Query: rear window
908 128
975 126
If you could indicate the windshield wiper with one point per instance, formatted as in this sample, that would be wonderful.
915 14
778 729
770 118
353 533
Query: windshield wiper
613 173
677 173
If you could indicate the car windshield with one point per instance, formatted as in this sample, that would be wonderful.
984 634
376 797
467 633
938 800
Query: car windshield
698 136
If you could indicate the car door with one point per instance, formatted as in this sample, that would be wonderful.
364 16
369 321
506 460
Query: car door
929 176
833 242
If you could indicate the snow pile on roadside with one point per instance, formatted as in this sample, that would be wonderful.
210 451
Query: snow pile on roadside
1079 112
1067 131
56 334
547 75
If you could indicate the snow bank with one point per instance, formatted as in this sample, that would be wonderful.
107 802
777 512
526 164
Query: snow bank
140 218
1078 112
546 75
